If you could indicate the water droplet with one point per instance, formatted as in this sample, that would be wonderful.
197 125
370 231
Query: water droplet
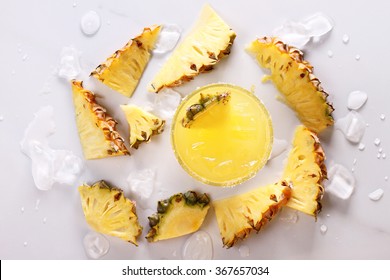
341 182
279 146
69 63
383 155
377 141
168 38
74 5
22 210
244 251
382 117
108 22
37 203
353 169
24 57
356 99
1 118
328 215
361 146
386 178
289 216
25 244
13 72
380 150
90 23
44 220
198 246
352 126
345 39
330 53
354 161
323 229
174 253
378 156
95 245
357 57
141 184
376 195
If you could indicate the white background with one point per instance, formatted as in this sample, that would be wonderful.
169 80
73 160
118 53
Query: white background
38 30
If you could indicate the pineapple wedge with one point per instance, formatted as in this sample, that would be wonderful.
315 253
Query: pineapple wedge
293 76
204 104
210 40
108 211
306 170
123 70
179 215
96 128
143 125
238 215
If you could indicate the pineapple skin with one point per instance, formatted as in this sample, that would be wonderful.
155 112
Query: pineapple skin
123 69
306 170
100 215
317 113
203 57
97 130
143 125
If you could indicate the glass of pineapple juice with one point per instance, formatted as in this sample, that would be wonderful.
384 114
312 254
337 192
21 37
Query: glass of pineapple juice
228 143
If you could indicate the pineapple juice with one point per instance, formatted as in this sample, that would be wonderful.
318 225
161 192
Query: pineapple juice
229 142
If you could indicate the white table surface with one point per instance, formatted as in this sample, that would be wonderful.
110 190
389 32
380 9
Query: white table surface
38 30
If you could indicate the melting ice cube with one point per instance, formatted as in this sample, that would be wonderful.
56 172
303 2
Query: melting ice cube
69 63
341 182
141 185
356 99
318 25
168 38
90 23
95 245
353 126
376 195
166 103
198 247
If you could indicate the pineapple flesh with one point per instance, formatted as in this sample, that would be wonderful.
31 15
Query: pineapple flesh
179 215
294 78
239 215
205 103
123 70
108 211
306 171
143 125
210 41
97 130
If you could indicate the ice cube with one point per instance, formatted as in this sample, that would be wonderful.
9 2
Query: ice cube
278 147
168 38
356 99
69 63
376 195
165 103
198 246
318 25
293 33
141 185
90 23
353 126
341 182
95 245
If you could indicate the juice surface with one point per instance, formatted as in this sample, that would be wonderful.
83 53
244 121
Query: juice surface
228 143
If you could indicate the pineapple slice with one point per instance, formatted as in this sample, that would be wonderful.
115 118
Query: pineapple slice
205 103
179 215
306 170
123 70
108 211
293 76
97 132
238 215
210 40
143 125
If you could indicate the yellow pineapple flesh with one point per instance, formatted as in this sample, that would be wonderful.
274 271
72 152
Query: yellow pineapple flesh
108 211
239 215
123 70
143 125
210 40
306 171
294 78
97 130
179 215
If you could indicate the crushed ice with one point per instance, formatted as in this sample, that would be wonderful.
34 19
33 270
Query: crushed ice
49 166
90 23
356 99
376 195
352 126
341 182
95 245
299 33
168 38
69 67
278 147
198 246
141 184
165 103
